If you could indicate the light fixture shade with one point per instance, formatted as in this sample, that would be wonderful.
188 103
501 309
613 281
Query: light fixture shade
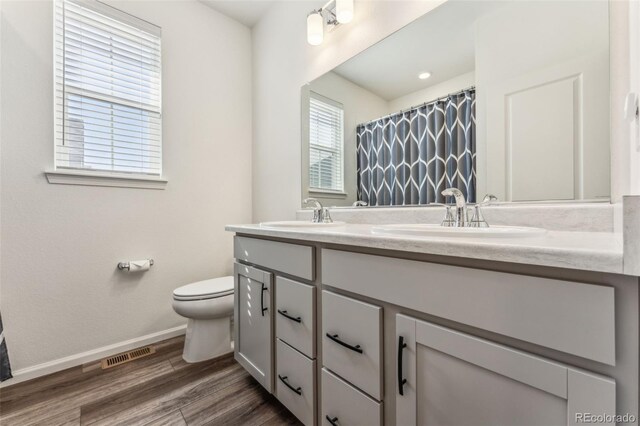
344 11
315 28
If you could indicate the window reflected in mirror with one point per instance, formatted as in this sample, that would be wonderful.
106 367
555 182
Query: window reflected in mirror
326 130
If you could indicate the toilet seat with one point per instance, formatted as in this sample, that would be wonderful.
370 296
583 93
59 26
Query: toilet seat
206 289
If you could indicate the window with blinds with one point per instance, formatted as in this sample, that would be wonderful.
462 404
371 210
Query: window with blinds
326 132
108 113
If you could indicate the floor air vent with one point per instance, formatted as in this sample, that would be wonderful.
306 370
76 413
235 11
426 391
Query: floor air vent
127 357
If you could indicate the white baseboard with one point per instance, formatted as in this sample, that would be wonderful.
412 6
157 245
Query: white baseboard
89 356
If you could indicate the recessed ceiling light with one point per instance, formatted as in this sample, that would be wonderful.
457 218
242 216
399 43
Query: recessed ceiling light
424 75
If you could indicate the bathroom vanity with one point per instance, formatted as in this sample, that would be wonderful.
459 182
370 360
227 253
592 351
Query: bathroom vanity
402 323
347 327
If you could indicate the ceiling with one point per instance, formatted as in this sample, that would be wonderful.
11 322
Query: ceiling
247 12
441 42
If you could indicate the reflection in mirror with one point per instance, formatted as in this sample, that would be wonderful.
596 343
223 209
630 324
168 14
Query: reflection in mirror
508 98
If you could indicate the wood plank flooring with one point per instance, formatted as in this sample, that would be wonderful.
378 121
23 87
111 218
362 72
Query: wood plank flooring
159 390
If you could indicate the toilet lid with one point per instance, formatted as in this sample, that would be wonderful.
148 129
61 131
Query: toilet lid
207 289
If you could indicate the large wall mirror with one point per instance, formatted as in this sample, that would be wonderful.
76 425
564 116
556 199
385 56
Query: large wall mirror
503 97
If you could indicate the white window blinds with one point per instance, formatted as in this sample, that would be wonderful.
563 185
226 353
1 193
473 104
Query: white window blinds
326 130
107 90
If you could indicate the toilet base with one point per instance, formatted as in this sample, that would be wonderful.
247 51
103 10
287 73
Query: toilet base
207 339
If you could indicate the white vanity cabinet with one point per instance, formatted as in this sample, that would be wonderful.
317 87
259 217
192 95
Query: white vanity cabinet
253 320
374 338
445 377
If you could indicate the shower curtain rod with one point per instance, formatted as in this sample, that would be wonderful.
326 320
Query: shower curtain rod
420 105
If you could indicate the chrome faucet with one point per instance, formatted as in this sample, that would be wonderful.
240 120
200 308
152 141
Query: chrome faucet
460 217
317 209
320 214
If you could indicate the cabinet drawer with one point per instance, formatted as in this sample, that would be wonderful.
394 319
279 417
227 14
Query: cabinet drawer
295 382
572 317
351 341
295 315
291 259
343 404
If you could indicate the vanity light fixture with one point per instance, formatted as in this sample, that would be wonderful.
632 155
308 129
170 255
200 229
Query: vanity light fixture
332 14
315 28
424 75
344 11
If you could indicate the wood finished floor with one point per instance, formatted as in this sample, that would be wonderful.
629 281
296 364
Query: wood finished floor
160 390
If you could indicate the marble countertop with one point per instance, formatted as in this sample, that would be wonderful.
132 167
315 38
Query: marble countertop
587 251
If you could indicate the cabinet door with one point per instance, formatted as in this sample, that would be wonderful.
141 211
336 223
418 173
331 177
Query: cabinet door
253 322
445 377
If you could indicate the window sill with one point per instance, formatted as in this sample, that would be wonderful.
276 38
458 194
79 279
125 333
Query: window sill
319 193
91 178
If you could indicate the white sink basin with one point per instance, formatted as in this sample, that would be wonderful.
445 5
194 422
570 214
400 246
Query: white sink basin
299 224
496 231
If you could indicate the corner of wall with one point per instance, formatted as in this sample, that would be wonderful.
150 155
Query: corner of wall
631 234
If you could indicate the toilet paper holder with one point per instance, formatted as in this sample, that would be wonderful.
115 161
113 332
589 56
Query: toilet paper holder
126 265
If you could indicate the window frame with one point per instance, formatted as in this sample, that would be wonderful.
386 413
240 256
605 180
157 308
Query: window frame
98 177
335 104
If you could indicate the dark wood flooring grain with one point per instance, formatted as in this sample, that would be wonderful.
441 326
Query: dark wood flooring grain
159 390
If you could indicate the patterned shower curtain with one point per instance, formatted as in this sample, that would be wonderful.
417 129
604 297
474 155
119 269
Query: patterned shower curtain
411 157
5 367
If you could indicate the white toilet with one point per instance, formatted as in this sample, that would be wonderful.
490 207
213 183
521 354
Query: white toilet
208 304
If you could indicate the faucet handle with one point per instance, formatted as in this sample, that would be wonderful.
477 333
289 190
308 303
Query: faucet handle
325 216
478 221
488 200
317 214
448 219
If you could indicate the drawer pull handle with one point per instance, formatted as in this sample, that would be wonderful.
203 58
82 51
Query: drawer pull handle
286 315
264 288
333 421
401 379
297 390
336 339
